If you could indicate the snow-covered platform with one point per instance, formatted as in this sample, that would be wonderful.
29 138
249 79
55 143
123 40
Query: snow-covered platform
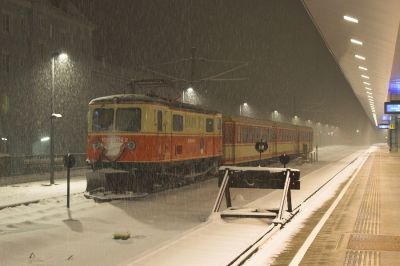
220 241
358 227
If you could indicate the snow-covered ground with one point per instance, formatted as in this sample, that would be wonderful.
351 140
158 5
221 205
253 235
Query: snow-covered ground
224 239
47 233
26 192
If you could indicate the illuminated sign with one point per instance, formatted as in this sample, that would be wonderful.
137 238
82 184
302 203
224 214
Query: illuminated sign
392 107
394 86
383 126
385 117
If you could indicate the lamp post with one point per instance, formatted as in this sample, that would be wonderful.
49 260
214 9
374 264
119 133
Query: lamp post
240 108
61 56
188 90
275 115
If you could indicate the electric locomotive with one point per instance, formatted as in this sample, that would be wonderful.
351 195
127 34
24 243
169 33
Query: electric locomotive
151 139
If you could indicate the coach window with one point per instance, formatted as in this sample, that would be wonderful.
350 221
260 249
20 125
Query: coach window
129 119
245 133
177 123
159 121
209 125
228 137
103 119
238 134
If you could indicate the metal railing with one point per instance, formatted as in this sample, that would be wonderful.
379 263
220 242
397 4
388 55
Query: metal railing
30 164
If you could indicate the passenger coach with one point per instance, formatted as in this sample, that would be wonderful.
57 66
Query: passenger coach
241 134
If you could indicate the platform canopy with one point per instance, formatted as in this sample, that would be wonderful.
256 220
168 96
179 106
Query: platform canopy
363 37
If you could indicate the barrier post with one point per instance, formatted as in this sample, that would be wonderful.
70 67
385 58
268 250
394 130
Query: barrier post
69 161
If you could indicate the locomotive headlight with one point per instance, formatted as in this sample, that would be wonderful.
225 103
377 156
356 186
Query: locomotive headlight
131 145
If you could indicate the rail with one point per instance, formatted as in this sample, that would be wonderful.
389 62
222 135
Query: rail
274 228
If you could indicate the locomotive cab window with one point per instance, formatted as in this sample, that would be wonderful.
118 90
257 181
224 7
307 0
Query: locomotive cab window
209 125
129 119
159 121
103 119
177 123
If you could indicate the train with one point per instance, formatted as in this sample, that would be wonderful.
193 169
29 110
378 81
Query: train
154 141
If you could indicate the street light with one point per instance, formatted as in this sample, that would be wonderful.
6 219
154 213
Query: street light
189 95
62 57
240 108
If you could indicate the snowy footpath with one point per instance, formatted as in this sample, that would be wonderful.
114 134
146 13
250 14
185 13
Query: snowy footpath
24 193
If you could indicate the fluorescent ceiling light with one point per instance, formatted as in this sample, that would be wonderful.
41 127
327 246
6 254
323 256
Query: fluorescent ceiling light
359 57
54 115
364 76
366 83
44 139
362 68
368 92
350 19
367 88
356 41
371 97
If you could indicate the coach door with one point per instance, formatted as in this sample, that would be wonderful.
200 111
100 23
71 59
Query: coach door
274 141
296 141
162 142
209 149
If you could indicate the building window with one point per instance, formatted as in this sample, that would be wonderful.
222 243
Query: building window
6 23
6 62
51 31
41 22
41 50
83 48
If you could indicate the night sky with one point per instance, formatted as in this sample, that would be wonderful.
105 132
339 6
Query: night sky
290 68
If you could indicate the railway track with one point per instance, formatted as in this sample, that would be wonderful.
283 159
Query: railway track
275 228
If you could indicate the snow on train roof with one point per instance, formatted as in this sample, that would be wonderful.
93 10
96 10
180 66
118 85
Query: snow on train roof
129 98
245 119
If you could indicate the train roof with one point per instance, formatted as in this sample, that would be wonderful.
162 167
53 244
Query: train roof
139 98
248 120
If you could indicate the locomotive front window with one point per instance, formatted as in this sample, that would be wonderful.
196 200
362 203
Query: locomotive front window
129 119
103 119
